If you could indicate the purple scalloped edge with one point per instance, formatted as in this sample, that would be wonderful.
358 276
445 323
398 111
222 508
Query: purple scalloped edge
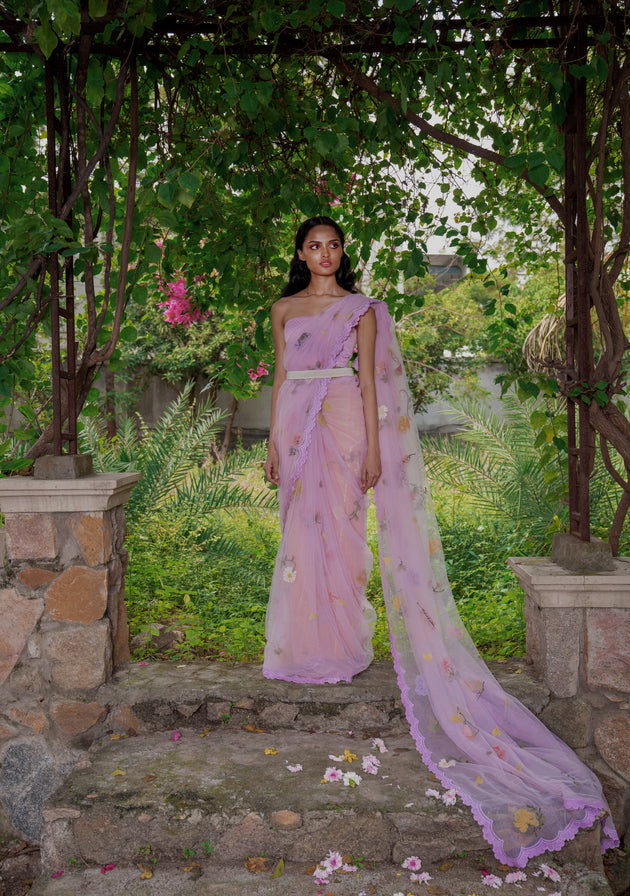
320 394
568 833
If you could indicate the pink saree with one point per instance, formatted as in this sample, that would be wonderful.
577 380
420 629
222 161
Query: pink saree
526 788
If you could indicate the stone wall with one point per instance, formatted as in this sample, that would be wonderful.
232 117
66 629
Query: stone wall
578 637
63 630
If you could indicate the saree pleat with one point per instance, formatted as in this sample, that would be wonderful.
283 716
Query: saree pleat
526 788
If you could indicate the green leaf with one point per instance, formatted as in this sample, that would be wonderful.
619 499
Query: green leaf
46 39
336 8
402 31
539 175
97 8
271 19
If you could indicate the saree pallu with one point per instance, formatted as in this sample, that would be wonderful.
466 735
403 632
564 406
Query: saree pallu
526 788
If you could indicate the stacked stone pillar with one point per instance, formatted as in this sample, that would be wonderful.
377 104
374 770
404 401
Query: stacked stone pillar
63 628
578 637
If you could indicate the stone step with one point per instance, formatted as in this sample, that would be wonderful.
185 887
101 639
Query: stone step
211 801
233 790
162 696
462 877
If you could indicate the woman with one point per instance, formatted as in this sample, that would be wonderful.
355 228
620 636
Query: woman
334 435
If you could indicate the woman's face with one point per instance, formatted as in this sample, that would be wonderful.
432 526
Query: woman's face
322 250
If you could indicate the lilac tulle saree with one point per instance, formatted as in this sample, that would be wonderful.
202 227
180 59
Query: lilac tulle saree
526 788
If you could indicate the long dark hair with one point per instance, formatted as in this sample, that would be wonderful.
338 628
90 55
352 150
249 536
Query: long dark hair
299 274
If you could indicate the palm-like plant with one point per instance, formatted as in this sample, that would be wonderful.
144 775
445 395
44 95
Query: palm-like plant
497 464
179 477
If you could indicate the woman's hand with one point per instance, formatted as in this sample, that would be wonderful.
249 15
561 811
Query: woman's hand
370 471
271 468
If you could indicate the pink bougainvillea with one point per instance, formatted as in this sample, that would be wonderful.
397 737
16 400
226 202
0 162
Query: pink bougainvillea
177 305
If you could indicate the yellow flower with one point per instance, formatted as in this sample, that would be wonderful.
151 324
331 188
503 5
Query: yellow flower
348 756
269 751
496 733
523 819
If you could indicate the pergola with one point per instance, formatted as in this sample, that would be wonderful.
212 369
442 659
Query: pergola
569 34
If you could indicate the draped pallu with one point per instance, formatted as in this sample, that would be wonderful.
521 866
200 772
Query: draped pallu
526 788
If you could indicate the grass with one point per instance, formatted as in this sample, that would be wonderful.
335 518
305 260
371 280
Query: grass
220 606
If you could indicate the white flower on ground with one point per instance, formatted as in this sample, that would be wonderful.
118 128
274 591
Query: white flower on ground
294 768
378 744
491 880
351 779
449 798
349 869
515 876
433 794
412 863
550 873
335 758
333 774
289 574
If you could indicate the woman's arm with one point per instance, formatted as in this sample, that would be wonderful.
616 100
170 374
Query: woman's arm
272 471
366 339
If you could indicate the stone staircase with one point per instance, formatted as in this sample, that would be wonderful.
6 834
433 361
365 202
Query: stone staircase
210 781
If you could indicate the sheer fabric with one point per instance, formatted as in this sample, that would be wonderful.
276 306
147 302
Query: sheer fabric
526 788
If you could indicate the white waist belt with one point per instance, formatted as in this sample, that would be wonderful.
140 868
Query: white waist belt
319 374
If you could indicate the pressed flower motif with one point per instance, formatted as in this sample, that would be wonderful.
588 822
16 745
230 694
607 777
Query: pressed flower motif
403 424
382 412
446 763
412 863
333 774
523 819
500 751
289 574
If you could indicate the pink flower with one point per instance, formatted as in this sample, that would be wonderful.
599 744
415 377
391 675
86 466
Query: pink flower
449 798
175 736
550 873
412 863
294 768
433 794
370 764
333 774
57 873
106 868
515 876
349 869
491 880
423 878
333 861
